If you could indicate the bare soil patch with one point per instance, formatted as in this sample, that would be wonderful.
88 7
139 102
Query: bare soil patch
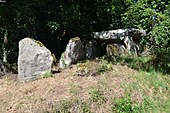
43 94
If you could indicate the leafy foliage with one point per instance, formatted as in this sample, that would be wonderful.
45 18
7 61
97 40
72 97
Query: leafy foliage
55 22
160 35
144 14
160 42
124 105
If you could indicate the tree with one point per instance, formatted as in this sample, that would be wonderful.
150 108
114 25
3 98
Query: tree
145 14
4 29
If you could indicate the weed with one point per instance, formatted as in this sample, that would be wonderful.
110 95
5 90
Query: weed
72 106
124 105
104 66
64 107
97 96
139 63
47 74
103 83
84 108
154 90
75 90
148 104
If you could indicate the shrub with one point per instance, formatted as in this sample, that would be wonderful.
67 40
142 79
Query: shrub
139 63
157 40
160 39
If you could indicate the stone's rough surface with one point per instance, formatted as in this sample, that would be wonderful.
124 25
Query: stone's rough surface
34 59
111 34
122 49
115 50
129 38
91 49
136 32
73 53
131 46
118 34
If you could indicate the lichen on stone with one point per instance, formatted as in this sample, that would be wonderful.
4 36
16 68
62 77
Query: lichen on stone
54 58
38 42
75 39
63 64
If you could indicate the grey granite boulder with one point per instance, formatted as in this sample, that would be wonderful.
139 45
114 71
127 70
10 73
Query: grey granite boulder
91 49
34 59
115 50
131 46
73 53
118 34
129 38
135 32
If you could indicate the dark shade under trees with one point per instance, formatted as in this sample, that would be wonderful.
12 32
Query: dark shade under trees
54 22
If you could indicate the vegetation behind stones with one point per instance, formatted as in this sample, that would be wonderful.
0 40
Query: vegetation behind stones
55 22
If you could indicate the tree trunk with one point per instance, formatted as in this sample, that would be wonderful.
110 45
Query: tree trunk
5 52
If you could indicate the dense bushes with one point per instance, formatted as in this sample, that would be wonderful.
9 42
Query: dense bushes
55 22
157 44
153 16
160 38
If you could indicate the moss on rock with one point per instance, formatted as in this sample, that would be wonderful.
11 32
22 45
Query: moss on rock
75 39
38 42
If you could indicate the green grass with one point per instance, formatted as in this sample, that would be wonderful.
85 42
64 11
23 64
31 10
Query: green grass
71 106
141 63
154 89
97 96
46 74
149 92
104 66
124 105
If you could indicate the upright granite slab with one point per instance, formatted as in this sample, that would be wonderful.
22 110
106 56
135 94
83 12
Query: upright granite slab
34 59
73 53
91 49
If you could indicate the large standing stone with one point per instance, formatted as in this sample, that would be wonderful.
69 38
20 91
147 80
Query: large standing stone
114 51
34 59
73 53
91 49
129 38
131 46
118 34
135 32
